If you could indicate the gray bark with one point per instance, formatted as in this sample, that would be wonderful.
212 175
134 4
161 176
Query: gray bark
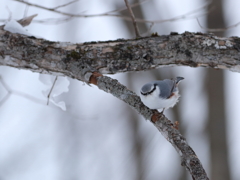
86 61
74 60
188 157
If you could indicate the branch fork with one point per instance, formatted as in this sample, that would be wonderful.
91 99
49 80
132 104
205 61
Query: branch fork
188 157
39 55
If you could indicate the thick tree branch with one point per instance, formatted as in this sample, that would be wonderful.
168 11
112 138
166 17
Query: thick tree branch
109 57
188 157
83 61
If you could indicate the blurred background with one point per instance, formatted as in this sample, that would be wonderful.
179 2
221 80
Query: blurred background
100 137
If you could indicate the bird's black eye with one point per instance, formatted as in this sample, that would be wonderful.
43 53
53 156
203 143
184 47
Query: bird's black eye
150 92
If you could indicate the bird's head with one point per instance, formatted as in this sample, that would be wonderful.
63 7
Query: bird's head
148 89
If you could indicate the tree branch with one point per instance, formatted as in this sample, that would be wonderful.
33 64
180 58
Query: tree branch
17 93
66 4
188 157
82 61
49 94
218 29
189 15
110 57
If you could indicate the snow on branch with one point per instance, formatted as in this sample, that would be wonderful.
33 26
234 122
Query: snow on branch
15 27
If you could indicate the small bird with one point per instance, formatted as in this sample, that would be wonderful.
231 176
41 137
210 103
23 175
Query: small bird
161 95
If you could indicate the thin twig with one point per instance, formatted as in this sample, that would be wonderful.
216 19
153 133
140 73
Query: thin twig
109 14
10 14
60 6
42 7
131 5
17 93
204 6
68 18
26 11
29 97
5 85
6 97
149 30
218 29
133 19
54 21
51 89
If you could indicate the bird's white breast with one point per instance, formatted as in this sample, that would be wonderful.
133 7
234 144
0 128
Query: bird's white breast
153 101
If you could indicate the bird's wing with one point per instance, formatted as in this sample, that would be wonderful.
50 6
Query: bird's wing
167 86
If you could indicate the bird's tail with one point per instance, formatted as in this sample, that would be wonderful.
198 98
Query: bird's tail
178 79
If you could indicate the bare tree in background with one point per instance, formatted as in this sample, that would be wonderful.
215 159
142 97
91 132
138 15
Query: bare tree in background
217 111
138 139
141 163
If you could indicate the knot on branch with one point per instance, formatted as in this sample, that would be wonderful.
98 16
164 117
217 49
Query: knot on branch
93 77
156 116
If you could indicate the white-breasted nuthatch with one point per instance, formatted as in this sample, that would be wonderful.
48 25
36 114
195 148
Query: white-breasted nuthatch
161 94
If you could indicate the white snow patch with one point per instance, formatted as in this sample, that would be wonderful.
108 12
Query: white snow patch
14 27
61 86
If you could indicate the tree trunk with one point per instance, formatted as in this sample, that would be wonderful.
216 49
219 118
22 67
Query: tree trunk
217 117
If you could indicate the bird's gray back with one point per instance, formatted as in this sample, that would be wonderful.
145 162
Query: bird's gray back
166 86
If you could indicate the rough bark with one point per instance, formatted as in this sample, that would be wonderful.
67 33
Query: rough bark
81 61
188 157
74 60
